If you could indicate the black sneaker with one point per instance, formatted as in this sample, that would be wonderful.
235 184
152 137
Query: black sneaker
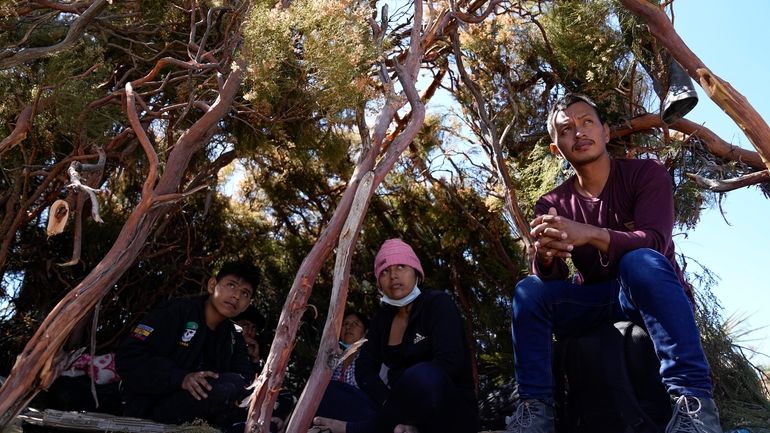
530 416
694 415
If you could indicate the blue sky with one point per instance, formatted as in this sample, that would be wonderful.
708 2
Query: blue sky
730 38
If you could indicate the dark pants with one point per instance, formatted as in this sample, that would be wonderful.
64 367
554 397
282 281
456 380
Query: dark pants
345 402
74 394
647 292
426 398
219 408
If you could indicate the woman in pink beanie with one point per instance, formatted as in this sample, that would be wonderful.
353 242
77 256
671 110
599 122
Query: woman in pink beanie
418 336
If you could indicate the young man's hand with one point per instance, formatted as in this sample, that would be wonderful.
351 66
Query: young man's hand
549 241
197 384
557 235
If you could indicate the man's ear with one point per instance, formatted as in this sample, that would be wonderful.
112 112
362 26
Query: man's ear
211 285
606 133
555 150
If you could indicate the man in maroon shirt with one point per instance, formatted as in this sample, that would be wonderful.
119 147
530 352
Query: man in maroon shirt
614 219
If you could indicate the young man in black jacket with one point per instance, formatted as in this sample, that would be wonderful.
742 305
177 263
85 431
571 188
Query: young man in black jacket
185 360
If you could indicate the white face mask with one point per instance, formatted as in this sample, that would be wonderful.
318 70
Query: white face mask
403 302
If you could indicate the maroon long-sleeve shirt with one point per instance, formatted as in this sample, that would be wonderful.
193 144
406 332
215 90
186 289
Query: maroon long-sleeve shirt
637 208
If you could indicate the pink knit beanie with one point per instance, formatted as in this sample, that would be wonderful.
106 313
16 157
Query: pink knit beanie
396 252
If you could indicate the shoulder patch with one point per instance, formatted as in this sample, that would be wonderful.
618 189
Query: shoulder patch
142 331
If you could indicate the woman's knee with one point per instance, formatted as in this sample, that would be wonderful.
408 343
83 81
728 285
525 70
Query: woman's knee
425 375
425 384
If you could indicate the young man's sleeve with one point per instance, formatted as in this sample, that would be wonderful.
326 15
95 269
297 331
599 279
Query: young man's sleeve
447 335
144 360
559 269
369 363
653 214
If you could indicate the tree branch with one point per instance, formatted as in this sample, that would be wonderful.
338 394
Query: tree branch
730 184
714 144
489 132
730 100
9 59
144 140
19 133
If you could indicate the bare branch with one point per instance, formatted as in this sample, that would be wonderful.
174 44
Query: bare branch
328 347
76 184
76 30
170 198
730 184
489 133
191 65
19 133
713 142
475 19
141 135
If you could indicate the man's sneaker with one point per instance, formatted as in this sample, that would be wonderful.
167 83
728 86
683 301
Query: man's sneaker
694 415
530 416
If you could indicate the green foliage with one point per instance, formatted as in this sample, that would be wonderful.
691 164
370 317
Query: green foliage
592 60
327 43
738 388
541 172
7 8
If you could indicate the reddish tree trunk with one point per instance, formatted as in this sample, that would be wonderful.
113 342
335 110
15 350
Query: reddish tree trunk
38 365
328 348
269 382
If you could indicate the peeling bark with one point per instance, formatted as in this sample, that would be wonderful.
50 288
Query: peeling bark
38 365
269 382
19 133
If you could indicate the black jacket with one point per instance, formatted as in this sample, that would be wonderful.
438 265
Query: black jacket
434 333
168 343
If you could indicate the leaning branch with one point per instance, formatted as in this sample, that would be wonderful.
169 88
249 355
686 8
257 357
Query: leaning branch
730 184
144 140
730 100
714 144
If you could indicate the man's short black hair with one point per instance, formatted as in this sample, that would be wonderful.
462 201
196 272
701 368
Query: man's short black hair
251 314
562 104
240 269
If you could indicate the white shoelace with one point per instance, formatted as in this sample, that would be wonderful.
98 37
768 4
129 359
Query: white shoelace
686 414
520 419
